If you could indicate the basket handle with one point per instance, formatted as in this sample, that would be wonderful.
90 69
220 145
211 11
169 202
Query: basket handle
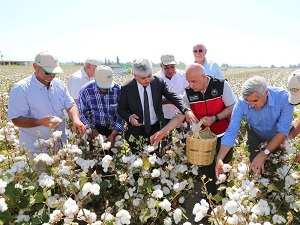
198 127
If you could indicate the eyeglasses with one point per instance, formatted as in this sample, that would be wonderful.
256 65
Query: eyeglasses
200 50
46 73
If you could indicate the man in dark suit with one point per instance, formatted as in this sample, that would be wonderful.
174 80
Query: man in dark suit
133 106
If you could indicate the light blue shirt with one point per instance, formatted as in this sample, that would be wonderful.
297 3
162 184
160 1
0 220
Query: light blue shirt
213 69
275 117
30 98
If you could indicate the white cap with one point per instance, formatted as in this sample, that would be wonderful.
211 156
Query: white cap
48 62
294 87
167 59
93 61
104 77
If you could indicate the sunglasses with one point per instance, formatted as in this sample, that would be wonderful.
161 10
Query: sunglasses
46 72
200 50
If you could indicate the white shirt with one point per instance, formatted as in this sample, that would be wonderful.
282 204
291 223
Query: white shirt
153 117
76 81
177 83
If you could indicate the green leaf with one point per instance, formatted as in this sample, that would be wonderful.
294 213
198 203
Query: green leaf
82 182
272 187
217 198
39 196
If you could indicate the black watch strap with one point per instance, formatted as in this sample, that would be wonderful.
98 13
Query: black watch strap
216 118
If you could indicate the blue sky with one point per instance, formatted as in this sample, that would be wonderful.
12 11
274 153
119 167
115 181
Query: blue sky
251 32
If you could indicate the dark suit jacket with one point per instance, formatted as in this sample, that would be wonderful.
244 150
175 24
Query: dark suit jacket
130 102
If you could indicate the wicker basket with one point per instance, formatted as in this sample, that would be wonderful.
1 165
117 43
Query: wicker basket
201 146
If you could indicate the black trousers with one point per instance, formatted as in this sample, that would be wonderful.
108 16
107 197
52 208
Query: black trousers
133 145
106 131
209 170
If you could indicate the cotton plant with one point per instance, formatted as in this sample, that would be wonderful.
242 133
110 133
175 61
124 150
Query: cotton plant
265 199
142 188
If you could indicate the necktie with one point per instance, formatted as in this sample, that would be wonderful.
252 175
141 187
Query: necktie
146 112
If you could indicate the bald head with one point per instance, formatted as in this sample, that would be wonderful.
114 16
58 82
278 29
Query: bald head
195 68
195 75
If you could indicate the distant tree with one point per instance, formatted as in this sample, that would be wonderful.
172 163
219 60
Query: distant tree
105 62
181 64
225 65
118 60
298 65
108 62
272 66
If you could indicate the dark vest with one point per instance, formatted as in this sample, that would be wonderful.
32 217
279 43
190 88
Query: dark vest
209 103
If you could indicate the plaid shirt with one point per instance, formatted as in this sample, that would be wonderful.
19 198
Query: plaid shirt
96 108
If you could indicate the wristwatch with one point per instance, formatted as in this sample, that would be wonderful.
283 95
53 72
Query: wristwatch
186 109
216 118
267 151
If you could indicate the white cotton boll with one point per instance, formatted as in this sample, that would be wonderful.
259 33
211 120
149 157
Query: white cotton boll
123 216
55 119
70 208
3 205
199 216
126 159
150 148
168 221
243 168
18 167
151 203
57 134
157 194
234 219
3 185
195 170
45 180
226 168
93 188
136 202
44 157
155 173
267 223
264 181
106 145
179 186
138 163
187 223
181 200
152 159
165 204
181 168
122 177
231 207
166 190
107 217
106 162
278 219
140 181
222 178
177 215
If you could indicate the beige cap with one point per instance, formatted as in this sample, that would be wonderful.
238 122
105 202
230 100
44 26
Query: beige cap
294 87
167 59
48 62
104 77
93 61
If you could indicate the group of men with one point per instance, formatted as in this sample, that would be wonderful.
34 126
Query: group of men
151 105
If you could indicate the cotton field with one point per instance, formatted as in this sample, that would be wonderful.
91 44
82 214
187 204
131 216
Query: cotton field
83 185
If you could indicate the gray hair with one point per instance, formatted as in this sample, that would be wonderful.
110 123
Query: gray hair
200 44
142 67
254 84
